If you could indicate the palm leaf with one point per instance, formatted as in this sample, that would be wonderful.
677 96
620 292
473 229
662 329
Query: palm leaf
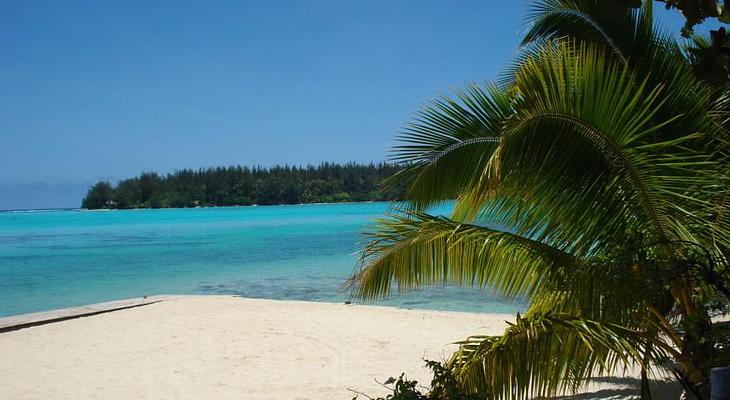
417 250
544 355
449 144
593 181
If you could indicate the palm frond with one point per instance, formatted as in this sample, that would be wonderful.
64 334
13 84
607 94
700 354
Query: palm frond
629 33
585 138
416 250
592 181
449 144
557 19
543 355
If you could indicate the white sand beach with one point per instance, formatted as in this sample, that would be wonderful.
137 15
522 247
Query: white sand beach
224 347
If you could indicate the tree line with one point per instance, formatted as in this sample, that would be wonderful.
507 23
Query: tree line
240 185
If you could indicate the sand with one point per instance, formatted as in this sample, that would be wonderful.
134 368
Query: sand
224 347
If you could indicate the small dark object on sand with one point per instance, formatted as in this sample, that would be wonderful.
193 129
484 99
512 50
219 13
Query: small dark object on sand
348 302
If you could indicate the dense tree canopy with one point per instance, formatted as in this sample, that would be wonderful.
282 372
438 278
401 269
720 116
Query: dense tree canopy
238 185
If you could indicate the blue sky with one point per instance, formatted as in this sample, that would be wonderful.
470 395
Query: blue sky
105 90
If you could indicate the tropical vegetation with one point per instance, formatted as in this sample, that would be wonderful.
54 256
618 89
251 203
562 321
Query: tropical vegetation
238 185
591 181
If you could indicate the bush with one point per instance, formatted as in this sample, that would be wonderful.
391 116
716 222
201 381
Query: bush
443 387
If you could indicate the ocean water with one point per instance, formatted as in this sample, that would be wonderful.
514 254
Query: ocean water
56 259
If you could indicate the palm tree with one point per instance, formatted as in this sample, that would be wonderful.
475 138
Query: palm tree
592 182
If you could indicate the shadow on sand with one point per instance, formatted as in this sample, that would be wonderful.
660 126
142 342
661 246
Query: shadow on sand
625 388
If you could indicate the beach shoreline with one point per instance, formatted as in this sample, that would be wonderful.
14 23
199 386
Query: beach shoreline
228 347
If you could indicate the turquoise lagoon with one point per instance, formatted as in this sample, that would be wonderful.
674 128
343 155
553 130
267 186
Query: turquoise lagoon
64 258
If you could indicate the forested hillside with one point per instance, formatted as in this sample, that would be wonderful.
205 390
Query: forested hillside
238 185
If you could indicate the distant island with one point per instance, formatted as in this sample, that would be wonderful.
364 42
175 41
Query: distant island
239 185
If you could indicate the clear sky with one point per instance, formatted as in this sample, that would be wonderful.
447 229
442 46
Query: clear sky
105 90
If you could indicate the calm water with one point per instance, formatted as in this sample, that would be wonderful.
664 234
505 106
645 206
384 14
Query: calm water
55 259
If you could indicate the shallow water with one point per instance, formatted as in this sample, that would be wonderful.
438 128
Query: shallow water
65 258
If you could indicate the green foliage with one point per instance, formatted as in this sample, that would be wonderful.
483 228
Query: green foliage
696 11
625 27
711 56
98 196
230 186
593 182
444 386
